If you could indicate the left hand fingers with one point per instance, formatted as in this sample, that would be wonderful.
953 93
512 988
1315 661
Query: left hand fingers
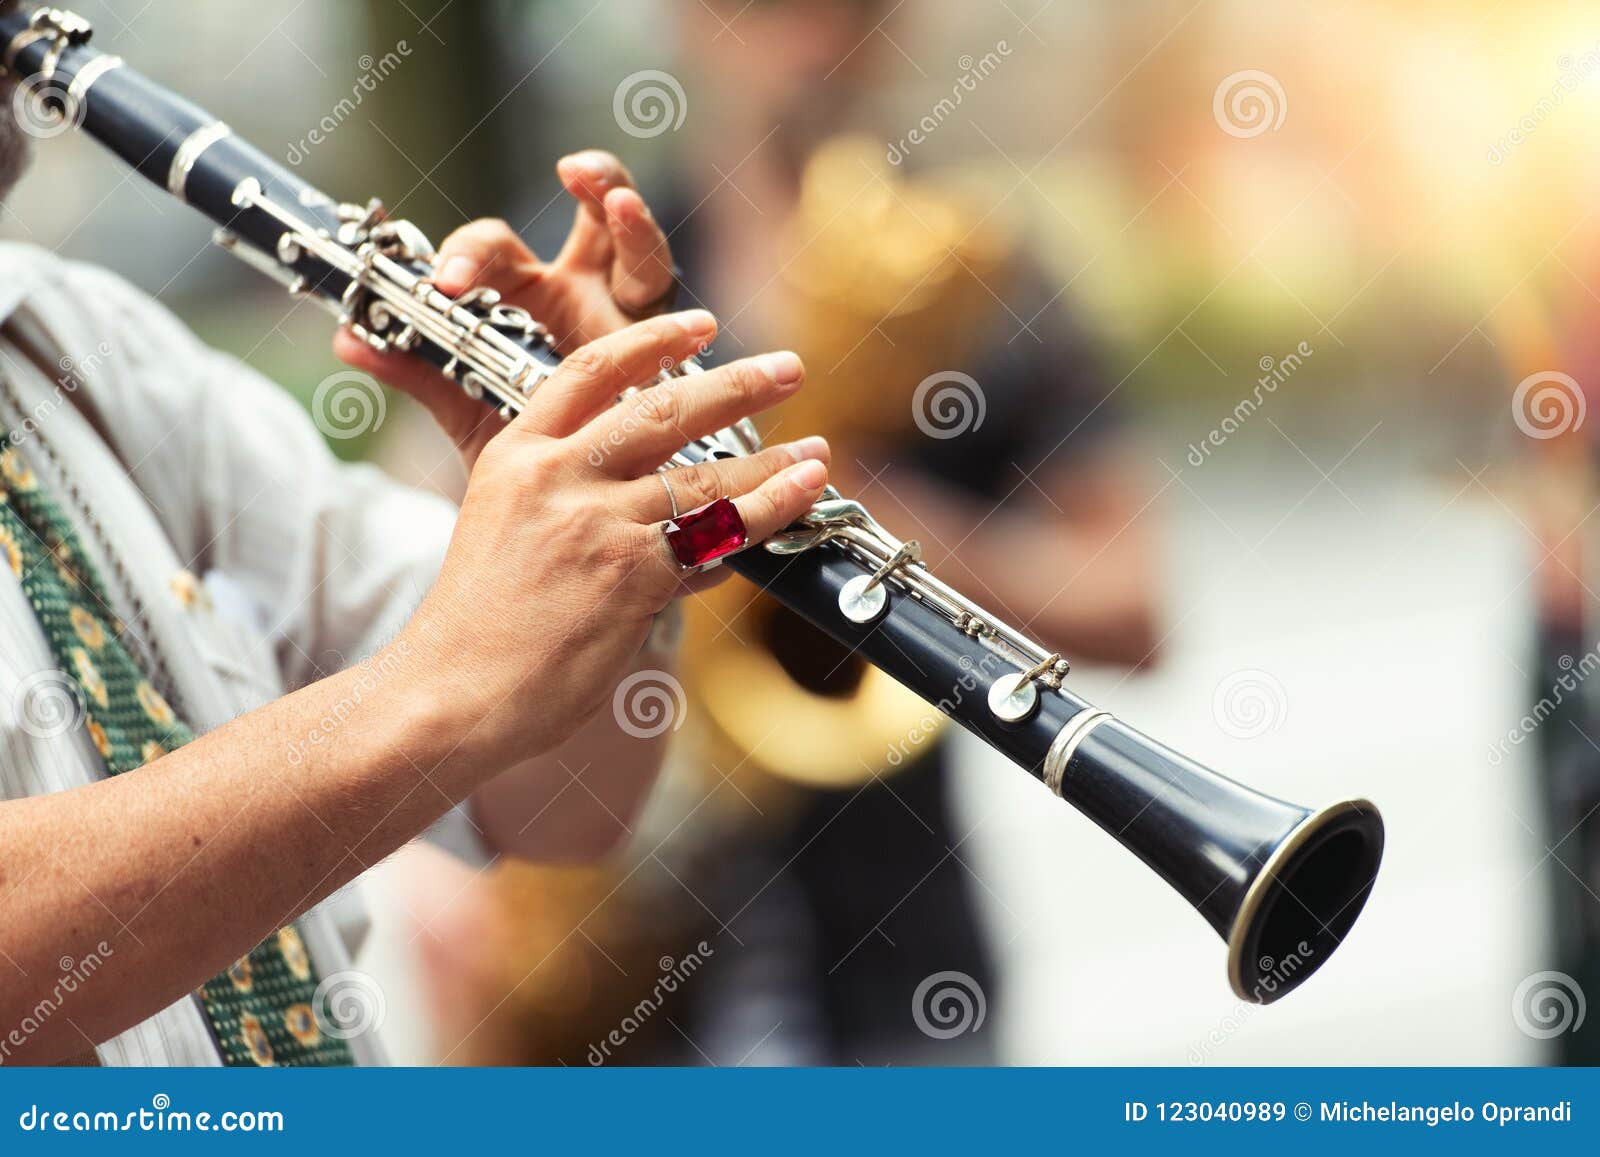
486 253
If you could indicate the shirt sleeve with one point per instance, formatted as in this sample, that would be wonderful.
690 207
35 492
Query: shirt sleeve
338 554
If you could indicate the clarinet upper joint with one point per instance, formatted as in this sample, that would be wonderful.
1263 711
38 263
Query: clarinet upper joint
388 298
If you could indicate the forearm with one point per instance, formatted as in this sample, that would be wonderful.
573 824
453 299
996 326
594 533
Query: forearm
180 867
580 800
1081 581
1085 591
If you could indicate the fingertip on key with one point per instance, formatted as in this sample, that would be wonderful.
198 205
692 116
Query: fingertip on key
809 475
585 165
783 367
811 449
625 204
698 322
457 272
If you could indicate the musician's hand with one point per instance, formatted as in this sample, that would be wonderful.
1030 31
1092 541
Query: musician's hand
615 267
558 563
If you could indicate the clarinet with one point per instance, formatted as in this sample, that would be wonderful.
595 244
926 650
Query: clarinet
1281 884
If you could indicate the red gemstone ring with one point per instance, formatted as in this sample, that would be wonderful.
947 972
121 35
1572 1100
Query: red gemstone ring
703 537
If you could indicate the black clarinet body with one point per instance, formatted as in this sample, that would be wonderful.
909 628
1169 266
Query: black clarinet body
190 154
1282 884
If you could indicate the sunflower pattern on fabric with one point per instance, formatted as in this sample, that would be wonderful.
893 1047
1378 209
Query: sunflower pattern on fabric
260 1008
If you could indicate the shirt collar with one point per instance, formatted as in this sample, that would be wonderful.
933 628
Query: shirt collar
22 273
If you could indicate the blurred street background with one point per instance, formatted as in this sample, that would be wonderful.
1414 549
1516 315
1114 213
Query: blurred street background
1243 348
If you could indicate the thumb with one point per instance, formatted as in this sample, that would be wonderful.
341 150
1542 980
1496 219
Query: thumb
465 421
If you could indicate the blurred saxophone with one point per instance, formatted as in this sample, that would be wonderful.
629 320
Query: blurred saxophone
884 284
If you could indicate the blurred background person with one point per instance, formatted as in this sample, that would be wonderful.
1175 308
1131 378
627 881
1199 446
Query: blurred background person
968 412
1558 489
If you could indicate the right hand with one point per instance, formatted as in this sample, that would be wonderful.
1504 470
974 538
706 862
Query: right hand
558 565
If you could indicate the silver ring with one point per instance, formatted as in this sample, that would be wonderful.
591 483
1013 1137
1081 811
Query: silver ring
1066 742
84 81
672 498
183 161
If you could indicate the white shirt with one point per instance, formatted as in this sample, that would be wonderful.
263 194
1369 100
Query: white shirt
175 461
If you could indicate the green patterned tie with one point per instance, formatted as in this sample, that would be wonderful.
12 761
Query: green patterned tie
260 1009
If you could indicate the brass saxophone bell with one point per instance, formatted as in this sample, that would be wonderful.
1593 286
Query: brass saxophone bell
883 284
